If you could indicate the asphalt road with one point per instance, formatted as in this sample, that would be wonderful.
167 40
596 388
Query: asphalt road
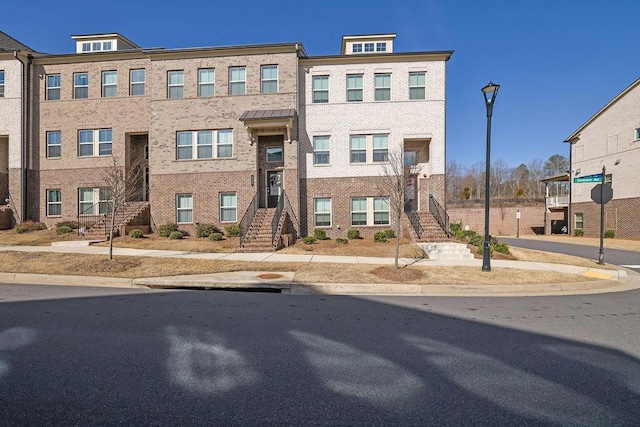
629 259
93 356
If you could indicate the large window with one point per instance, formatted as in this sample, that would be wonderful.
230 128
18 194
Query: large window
237 80
370 211
95 142
54 144
206 82
383 87
358 148
320 89
321 150
322 212
416 86
269 78
53 87
109 84
80 85
175 84
184 208
359 211
228 207
94 201
381 211
380 148
204 144
54 202
579 220
138 82
1 83
354 87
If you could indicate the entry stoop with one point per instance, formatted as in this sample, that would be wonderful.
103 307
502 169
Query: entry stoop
446 251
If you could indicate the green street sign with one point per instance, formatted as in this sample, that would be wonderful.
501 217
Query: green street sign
589 178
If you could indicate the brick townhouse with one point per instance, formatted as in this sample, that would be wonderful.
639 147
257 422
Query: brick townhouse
226 135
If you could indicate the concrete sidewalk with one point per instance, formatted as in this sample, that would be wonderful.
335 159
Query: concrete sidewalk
610 280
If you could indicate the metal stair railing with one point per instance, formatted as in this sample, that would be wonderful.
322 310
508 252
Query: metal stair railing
88 219
439 214
414 221
247 218
12 205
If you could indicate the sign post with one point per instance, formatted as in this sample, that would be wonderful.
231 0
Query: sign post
518 223
601 194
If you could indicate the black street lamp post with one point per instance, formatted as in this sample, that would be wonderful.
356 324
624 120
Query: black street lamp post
490 93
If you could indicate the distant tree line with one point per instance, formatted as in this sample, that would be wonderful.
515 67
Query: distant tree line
521 182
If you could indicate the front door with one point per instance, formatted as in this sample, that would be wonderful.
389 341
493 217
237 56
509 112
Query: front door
274 188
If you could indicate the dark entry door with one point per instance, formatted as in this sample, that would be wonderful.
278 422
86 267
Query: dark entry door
274 188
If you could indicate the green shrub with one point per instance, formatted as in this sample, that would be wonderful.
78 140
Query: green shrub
481 250
136 234
320 234
204 230
455 227
353 234
609 234
390 234
215 237
578 232
175 235
341 241
27 226
309 240
63 229
232 230
503 248
476 240
380 237
165 230
72 224
21 230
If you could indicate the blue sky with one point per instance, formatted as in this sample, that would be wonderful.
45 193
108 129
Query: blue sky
558 62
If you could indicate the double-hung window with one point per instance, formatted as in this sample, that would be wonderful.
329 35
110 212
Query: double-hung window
237 80
380 148
381 211
109 84
417 85
1 83
94 141
381 47
356 48
269 78
321 150
184 208
370 211
204 144
322 212
354 87
320 89
383 87
358 148
359 211
579 220
54 202
369 47
138 81
53 87
206 82
80 85
228 207
94 201
175 84
54 144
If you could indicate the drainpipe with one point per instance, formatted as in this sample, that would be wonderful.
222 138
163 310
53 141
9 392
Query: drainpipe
23 131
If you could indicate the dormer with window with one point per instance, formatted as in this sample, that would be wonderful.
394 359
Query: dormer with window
102 43
367 44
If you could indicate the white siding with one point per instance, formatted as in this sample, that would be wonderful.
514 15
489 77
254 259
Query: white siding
11 109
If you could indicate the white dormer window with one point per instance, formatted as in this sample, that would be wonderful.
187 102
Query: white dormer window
86 47
106 46
97 46
368 47
381 47
357 47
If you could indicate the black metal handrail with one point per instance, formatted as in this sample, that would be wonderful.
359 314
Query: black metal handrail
439 214
12 205
414 220
294 219
276 220
87 218
247 218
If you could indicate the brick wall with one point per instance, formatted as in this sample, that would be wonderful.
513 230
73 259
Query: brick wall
621 216
502 221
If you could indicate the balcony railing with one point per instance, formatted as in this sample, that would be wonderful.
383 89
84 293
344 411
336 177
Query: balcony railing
557 201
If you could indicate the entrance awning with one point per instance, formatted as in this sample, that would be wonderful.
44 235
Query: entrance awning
268 122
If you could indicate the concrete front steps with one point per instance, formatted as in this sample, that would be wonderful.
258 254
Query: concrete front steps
446 251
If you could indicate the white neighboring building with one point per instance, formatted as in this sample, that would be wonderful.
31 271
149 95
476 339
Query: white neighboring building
610 138
354 108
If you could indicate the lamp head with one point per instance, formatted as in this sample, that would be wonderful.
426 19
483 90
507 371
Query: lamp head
490 92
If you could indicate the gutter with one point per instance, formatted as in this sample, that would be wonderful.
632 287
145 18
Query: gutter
25 128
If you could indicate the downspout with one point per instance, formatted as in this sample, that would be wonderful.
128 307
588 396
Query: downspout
23 122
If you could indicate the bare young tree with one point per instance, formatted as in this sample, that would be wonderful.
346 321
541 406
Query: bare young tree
123 183
394 182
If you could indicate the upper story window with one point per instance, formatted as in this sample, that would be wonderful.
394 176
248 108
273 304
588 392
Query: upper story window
86 47
269 78
237 80
96 46
204 144
369 47
137 79
53 87
636 134
358 148
354 87
417 85
109 84
356 48
383 87
275 154
381 47
206 82
95 142
373 147
80 85
380 148
1 83
54 144
175 84
320 87
321 153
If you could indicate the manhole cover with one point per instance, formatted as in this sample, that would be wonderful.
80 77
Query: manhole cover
269 276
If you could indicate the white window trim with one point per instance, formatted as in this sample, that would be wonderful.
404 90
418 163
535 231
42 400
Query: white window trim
75 86
356 89
50 145
575 220
369 149
368 45
423 86
174 85
2 83
133 83
50 88
381 88
370 201
636 135
327 151
95 143
356 48
201 84
276 79
180 209
232 82
381 46
215 145
108 85
103 204
316 213
351 212
314 90
233 208
50 203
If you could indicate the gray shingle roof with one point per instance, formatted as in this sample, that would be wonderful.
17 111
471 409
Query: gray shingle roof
9 43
